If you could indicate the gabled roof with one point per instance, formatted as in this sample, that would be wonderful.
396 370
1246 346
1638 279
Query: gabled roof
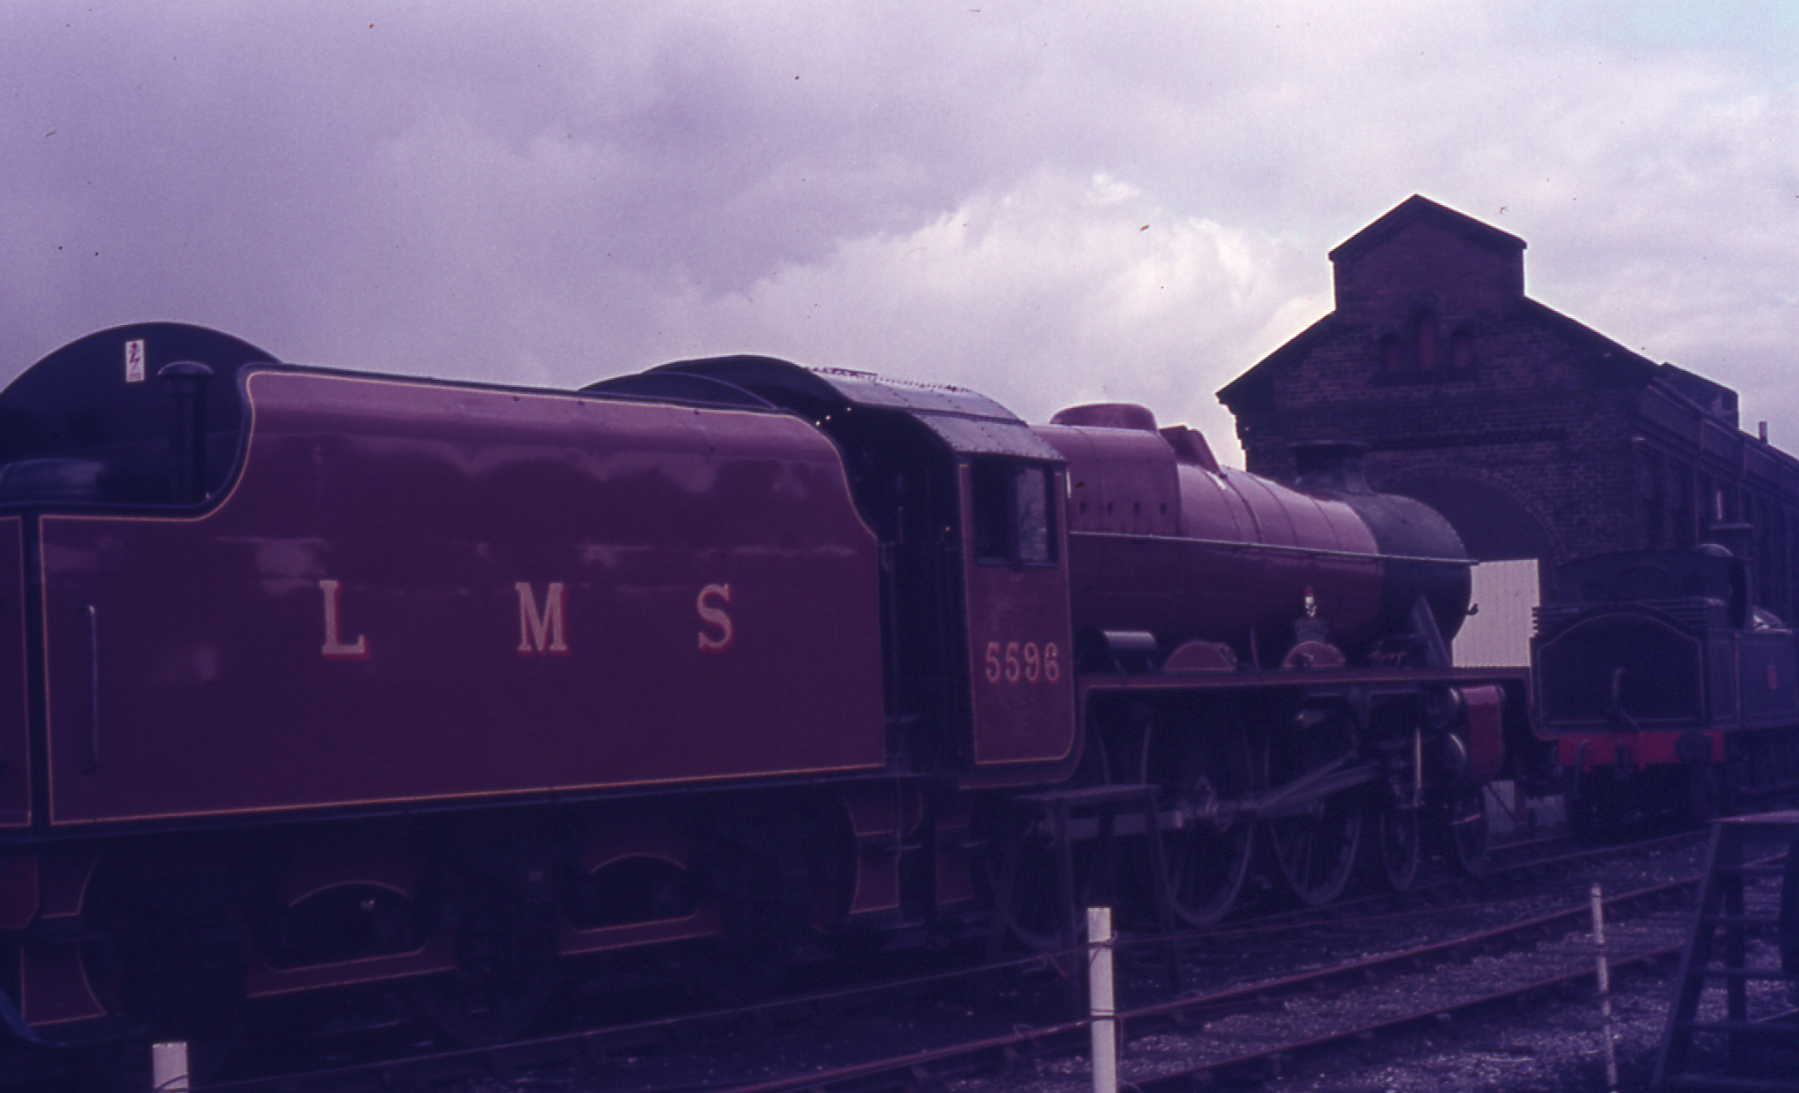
1617 362
1252 385
1708 395
1620 361
1419 208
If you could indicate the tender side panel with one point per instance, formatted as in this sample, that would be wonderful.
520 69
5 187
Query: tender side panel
15 722
420 591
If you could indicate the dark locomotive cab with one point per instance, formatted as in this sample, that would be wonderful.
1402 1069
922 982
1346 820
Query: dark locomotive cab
1663 685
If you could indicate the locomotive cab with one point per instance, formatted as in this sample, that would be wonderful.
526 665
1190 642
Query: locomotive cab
968 504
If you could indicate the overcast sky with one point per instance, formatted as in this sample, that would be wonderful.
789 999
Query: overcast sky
1051 203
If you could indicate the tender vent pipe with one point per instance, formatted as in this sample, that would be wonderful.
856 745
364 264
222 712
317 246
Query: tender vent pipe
1335 466
186 383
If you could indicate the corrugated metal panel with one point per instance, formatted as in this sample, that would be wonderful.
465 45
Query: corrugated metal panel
1499 635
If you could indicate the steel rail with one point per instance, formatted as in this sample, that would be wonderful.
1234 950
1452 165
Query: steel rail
1237 998
587 1043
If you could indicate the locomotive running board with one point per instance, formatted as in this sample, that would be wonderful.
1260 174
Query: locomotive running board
1252 679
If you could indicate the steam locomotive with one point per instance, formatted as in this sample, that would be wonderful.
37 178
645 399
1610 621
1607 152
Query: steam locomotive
323 680
1667 692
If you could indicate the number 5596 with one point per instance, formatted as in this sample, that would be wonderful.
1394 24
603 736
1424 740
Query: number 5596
1023 662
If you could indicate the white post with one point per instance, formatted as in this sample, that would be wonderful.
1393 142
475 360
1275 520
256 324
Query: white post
168 1067
1101 1005
1605 992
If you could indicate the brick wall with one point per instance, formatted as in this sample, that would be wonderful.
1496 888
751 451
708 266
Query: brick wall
1525 412
1536 436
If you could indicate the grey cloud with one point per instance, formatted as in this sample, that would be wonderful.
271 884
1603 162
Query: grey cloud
554 192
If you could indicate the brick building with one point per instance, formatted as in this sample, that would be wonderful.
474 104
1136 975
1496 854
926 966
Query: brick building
1538 437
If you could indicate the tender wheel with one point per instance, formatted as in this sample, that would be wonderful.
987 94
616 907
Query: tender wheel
1467 832
166 949
780 881
1396 846
1203 772
1033 913
1030 903
505 971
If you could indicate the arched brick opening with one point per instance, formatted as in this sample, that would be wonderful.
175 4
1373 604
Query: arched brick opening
1495 524
1518 551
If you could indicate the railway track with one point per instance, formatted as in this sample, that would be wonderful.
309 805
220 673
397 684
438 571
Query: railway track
1343 953
1255 1029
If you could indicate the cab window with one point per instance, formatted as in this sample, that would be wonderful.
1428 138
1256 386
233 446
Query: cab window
1013 512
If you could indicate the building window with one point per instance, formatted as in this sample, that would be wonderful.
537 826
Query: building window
1392 355
1424 340
1777 590
1654 505
1461 351
1685 516
1420 354
1711 504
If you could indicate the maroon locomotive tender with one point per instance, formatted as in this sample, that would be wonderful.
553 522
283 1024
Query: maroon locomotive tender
323 679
